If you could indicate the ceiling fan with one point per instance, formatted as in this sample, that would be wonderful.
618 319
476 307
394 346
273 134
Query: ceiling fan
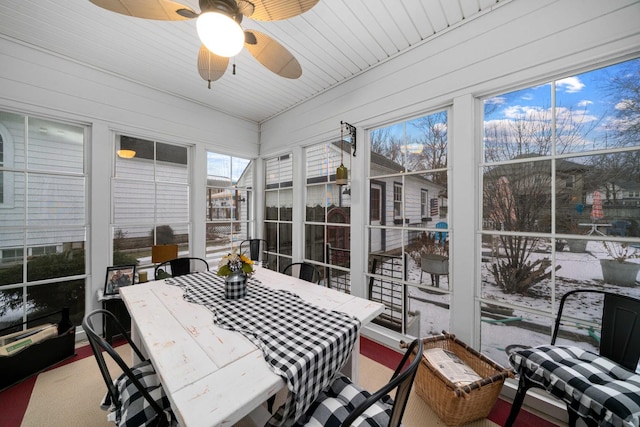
218 26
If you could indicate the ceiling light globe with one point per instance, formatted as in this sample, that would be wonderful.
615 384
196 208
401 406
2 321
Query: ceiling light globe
220 34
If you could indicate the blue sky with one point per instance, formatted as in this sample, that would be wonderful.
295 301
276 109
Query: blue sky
581 100
220 165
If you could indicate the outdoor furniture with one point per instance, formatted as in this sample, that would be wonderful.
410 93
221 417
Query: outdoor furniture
257 250
306 271
603 388
441 236
180 266
345 403
436 265
619 228
136 396
213 375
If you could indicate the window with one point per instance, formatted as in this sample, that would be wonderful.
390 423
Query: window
424 203
151 200
328 214
44 218
278 208
407 184
229 203
556 157
397 202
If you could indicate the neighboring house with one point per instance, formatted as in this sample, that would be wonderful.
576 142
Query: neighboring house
48 148
425 203
518 195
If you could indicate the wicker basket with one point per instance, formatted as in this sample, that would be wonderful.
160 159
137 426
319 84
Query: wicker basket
456 405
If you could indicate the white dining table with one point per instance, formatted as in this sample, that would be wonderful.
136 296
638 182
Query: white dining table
213 376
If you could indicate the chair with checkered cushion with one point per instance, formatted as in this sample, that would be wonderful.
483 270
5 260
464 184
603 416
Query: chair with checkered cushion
345 404
136 397
602 389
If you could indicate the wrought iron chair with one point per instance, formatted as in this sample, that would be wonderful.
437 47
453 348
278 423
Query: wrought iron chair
306 271
257 250
345 403
179 267
595 387
136 397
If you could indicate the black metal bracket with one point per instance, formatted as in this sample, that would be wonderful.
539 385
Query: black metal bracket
351 130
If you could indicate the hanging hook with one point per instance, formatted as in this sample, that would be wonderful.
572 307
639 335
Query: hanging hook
352 131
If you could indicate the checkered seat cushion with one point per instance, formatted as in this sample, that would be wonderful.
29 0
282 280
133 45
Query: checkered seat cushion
341 398
134 409
592 385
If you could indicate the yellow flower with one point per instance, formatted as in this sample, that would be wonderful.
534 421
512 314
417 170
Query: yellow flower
235 262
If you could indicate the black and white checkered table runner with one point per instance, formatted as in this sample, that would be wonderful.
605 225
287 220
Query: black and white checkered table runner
303 343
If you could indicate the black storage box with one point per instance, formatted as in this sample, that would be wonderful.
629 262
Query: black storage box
39 356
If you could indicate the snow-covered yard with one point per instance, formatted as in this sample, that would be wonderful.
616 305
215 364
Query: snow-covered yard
529 312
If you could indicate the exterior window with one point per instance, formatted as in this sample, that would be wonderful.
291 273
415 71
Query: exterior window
44 219
407 185
397 202
570 181
151 200
229 203
278 208
552 185
328 214
424 203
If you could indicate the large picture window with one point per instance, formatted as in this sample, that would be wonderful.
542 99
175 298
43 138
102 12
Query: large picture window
229 203
44 219
151 200
328 214
561 161
408 225
278 210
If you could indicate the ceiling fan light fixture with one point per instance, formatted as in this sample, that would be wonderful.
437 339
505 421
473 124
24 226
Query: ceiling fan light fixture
220 34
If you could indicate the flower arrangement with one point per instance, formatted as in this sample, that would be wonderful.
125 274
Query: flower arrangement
233 262
620 251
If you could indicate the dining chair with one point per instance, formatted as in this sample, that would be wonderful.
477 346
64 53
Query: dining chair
305 271
344 403
136 397
257 250
601 388
179 267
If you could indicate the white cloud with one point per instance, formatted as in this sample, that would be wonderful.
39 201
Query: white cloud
570 84
496 100
584 103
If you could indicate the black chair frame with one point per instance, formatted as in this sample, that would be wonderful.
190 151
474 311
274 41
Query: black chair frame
179 266
308 272
98 344
402 379
621 347
256 247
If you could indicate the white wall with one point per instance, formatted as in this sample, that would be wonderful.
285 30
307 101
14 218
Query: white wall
541 39
41 84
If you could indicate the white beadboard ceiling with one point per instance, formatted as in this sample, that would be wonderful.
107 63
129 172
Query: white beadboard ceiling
334 41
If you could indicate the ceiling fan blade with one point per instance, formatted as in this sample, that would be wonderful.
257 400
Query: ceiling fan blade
274 10
211 66
164 10
273 55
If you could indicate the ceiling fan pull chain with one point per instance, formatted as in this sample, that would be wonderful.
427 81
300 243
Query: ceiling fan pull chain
209 84
234 68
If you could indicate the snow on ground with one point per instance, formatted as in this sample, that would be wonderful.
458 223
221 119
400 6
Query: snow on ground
578 271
